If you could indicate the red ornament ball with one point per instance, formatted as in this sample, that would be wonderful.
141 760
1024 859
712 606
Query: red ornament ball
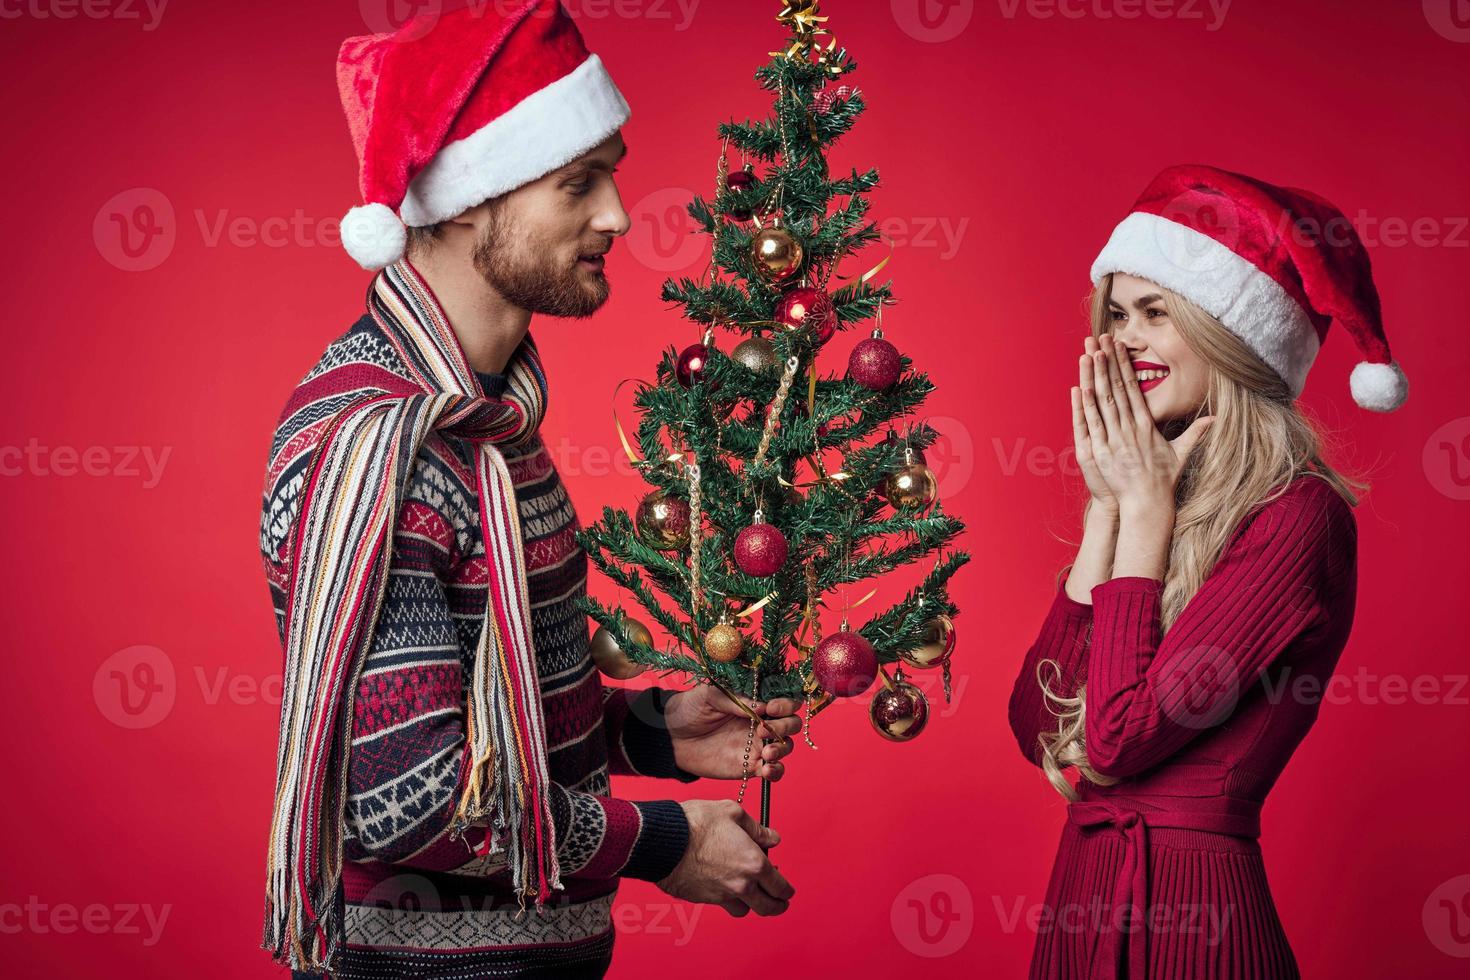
690 369
739 180
845 664
805 308
760 550
874 364
899 715
663 522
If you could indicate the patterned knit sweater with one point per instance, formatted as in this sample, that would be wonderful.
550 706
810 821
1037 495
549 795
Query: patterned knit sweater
416 901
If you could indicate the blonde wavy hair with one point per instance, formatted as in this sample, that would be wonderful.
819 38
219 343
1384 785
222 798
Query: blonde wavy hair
1259 443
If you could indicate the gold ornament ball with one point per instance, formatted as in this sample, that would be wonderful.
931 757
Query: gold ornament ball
776 254
899 714
755 354
724 643
911 486
938 644
663 522
610 658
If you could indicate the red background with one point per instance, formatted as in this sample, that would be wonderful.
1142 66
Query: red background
1025 135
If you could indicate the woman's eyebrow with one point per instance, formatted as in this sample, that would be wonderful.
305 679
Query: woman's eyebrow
1140 302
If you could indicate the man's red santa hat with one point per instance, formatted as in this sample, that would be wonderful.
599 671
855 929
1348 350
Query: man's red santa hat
461 105
1275 265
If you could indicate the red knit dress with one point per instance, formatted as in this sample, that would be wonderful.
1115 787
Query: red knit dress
1160 875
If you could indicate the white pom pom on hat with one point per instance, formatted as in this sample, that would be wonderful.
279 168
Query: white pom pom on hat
1379 387
1276 265
374 236
469 104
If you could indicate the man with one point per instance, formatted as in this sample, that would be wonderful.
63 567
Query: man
443 804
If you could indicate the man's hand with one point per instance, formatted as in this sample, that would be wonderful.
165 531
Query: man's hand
726 864
709 733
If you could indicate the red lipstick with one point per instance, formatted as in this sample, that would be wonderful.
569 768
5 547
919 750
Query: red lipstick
1149 366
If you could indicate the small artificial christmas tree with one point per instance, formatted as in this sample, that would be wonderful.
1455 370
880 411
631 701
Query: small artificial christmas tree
777 485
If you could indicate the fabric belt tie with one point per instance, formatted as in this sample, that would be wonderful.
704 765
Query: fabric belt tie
1130 891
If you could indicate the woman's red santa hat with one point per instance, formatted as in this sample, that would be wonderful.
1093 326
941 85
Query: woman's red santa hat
450 111
1275 265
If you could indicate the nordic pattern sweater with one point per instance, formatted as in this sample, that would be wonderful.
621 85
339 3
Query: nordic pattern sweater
416 901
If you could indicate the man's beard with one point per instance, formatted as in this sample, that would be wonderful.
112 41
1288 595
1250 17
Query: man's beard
524 271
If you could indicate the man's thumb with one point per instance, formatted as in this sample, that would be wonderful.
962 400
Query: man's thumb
765 836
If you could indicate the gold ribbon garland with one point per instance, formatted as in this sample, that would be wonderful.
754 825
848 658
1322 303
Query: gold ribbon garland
803 19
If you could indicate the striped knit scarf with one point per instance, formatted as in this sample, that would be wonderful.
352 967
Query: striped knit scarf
342 546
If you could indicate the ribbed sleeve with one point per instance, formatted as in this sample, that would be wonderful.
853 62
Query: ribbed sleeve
1063 639
662 840
1150 693
607 837
638 741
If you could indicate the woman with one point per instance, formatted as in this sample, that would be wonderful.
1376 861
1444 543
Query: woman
1217 569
